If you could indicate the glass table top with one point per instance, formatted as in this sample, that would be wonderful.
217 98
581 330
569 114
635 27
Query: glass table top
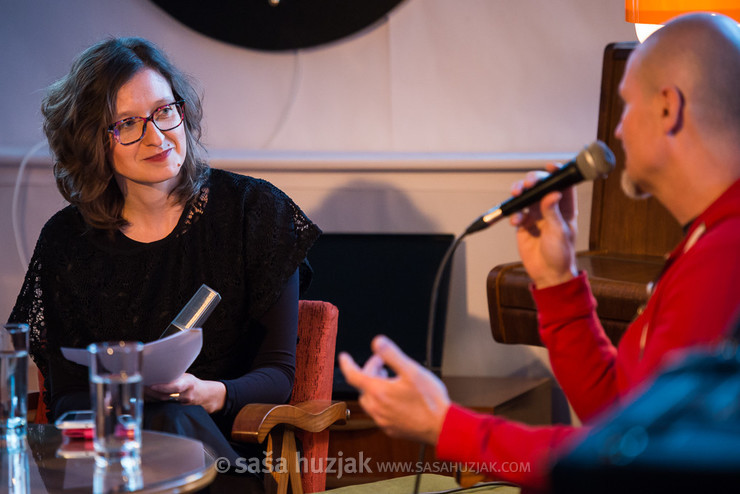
51 463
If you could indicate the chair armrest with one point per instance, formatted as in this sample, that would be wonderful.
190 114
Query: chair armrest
255 421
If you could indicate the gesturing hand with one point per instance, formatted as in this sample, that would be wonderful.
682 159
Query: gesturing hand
546 234
413 404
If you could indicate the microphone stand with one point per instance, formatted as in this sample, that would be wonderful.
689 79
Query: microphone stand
483 222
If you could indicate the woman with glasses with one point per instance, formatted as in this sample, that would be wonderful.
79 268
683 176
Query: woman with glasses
148 223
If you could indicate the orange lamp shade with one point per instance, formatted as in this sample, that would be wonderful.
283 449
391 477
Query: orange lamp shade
661 11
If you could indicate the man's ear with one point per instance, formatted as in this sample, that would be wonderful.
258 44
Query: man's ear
673 108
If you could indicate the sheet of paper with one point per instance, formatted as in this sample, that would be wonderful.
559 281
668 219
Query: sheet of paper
163 360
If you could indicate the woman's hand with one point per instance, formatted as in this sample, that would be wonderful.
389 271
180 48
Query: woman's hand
189 390
546 234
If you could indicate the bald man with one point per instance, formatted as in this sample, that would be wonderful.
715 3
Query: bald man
680 130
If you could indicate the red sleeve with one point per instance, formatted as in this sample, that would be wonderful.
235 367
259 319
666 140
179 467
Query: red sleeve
500 448
582 357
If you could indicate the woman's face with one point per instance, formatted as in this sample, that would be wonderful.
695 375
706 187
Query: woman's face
156 159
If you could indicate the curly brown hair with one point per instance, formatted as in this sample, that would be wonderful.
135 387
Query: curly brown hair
79 108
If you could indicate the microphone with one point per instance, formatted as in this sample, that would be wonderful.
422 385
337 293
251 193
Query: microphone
595 161
195 312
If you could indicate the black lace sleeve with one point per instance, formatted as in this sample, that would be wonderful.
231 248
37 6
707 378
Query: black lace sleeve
35 302
29 308
278 235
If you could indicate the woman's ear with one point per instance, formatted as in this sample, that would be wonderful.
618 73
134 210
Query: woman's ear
674 106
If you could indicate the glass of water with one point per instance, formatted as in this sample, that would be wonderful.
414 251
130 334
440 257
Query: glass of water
116 397
16 472
13 385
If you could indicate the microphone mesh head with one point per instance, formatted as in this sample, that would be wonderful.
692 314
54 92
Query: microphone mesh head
595 161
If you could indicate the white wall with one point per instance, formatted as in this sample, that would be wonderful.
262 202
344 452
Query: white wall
419 124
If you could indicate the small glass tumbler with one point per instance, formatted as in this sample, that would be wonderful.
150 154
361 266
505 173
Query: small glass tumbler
116 477
13 385
15 471
116 397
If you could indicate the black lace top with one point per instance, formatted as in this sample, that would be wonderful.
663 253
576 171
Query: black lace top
242 237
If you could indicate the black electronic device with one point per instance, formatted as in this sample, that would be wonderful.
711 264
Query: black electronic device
382 284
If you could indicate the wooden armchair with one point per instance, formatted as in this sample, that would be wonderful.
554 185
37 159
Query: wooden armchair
309 413
627 240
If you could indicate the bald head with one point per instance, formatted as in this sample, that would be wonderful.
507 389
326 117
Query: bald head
699 54
680 127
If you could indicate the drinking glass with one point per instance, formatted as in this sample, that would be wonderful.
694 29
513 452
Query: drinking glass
116 397
13 385
116 477
16 470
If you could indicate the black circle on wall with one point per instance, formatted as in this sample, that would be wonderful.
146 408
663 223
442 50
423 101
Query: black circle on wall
277 24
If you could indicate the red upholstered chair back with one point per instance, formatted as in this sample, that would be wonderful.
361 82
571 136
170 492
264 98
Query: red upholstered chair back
314 375
36 401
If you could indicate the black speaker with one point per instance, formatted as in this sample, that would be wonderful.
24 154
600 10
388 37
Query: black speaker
381 283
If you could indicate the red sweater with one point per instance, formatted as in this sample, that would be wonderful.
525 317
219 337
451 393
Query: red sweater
692 304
